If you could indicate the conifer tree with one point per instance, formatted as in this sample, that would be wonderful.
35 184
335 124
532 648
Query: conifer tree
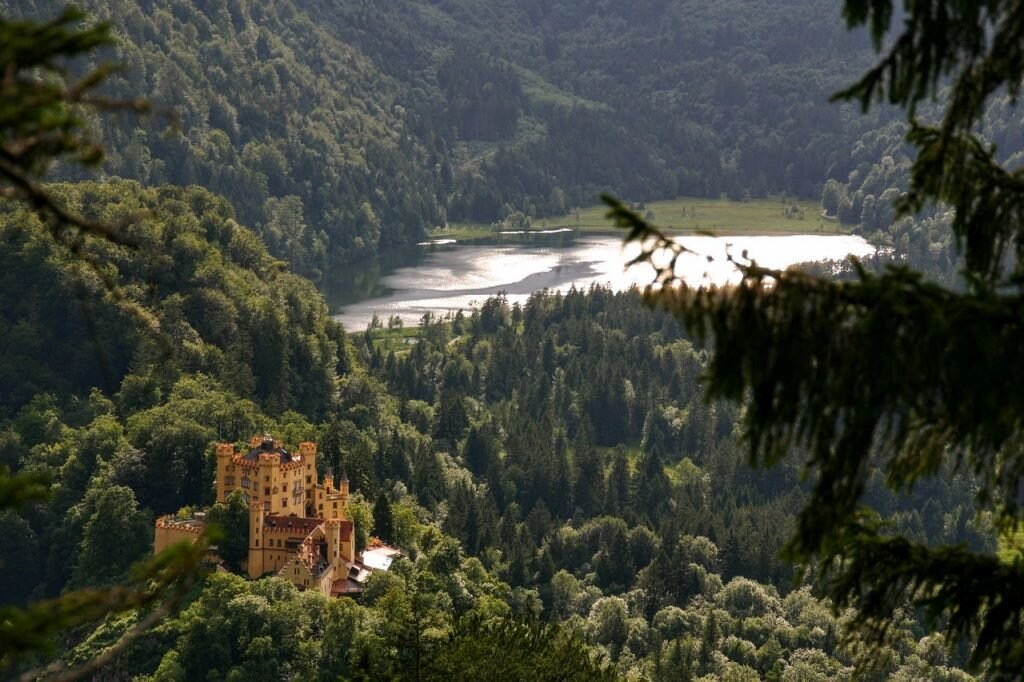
589 478
887 368
383 518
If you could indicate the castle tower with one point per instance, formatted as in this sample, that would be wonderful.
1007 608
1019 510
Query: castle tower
308 452
225 453
267 481
256 540
332 529
343 500
340 545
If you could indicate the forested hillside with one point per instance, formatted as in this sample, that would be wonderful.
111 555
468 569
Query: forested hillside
568 503
863 197
341 128
219 305
529 473
531 476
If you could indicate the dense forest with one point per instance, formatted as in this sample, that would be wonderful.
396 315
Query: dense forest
616 514
568 502
342 128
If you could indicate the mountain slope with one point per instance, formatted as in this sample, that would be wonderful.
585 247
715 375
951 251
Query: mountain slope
339 128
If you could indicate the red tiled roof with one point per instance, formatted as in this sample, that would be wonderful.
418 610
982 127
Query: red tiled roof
297 524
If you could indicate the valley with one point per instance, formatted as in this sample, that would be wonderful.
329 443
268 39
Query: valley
320 358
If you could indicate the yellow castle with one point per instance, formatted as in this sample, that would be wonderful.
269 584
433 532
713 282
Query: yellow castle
298 527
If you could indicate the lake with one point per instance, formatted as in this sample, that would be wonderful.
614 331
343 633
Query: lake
442 277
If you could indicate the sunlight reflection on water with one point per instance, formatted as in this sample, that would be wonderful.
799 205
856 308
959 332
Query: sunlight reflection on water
463 277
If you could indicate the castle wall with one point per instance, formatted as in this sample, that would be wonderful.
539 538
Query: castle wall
169 530
270 560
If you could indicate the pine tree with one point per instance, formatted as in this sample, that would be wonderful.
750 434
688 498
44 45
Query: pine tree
383 518
589 476
480 448
651 486
679 666
708 644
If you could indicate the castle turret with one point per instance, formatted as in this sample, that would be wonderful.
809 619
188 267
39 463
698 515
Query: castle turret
307 453
256 540
332 529
225 452
307 474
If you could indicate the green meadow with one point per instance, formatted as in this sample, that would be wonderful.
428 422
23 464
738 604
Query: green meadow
684 215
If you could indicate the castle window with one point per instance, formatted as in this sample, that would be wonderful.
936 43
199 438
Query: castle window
268 478
257 542
246 483
309 480
335 505
229 480
284 501
266 491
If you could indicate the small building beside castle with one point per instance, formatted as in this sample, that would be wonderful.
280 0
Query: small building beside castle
298 527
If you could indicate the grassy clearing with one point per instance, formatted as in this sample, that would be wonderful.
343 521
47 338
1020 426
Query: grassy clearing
632 451
541 91
682 472
685 472
684 216
397 340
